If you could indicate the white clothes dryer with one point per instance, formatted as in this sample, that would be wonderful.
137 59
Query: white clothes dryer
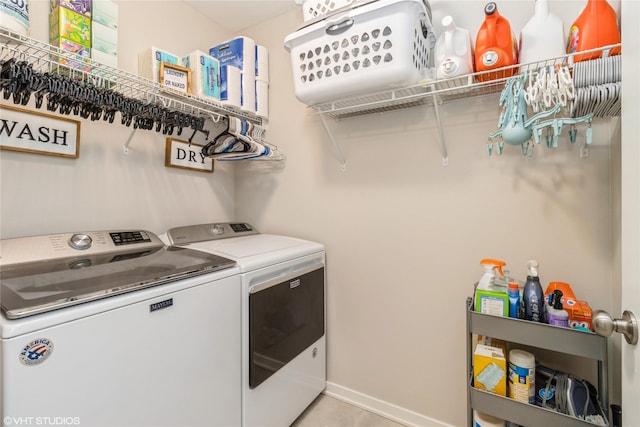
283 316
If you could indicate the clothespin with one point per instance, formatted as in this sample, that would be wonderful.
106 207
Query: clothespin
489 148
557 130
573 132
537 134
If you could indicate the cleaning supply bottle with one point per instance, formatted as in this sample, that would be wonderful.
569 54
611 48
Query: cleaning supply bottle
489 298
514 299
491 267
556 316
495 45
532 297
453 51
542 37
595 27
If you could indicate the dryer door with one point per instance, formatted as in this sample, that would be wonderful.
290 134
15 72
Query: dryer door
285 318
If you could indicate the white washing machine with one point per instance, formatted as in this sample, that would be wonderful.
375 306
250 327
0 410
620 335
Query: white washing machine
117 329
283 316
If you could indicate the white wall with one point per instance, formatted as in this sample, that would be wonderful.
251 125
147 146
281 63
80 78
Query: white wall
104 189
404 235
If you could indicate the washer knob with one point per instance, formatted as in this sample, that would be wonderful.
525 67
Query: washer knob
80 241
217 229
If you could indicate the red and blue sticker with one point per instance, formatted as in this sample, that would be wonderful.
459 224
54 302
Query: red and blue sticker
36 352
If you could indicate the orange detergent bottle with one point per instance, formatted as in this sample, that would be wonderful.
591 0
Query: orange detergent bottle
495 45
597 26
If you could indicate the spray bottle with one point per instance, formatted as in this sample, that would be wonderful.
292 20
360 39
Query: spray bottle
532 296
491 266
556 315
491 299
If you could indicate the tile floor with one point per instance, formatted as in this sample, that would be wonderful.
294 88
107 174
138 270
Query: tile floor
326 411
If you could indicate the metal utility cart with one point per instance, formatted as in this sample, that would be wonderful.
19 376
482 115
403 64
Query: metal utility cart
561 340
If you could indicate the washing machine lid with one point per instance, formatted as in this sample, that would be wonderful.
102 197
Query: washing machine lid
242 243
45 273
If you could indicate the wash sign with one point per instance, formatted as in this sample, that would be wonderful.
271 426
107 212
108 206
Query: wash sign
34 132
183 155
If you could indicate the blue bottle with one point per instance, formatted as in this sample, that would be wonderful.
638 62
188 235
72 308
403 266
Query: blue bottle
532 296
514 299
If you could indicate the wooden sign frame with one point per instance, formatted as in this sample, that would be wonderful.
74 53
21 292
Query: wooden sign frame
38 133
175 77
182 155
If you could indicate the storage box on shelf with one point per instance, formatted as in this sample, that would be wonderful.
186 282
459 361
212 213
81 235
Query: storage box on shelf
561 340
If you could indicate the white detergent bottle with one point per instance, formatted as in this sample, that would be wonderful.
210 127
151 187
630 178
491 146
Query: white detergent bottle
453 52
542 37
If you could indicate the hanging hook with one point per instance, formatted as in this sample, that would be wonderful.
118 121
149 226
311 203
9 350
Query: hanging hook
215 118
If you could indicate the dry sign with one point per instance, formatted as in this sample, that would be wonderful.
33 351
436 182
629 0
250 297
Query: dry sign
32 132
183 155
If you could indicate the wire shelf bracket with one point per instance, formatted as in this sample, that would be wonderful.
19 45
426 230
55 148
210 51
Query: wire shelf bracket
343 162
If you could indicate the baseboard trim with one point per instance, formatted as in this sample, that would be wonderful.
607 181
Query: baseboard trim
382 408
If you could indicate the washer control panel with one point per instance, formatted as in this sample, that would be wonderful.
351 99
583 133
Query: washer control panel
52 246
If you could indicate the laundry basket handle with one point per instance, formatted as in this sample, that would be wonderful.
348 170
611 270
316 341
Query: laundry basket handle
340 27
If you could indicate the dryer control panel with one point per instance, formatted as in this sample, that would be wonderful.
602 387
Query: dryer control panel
211 231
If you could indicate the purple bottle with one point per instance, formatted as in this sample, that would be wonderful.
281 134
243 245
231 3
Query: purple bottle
556 316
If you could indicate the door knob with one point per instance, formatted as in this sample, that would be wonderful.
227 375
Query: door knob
604 325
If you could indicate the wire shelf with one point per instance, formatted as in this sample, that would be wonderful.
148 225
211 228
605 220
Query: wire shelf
45 58
447 90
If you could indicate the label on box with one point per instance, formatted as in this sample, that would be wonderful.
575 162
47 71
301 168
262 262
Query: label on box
18 10
166 57
83 7
491 305
239 52
104 39
64 23
104 58
490 369
106 13
210 76
522 383
229 53
492 302
77 49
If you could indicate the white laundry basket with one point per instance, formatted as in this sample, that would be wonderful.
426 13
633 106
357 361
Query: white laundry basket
377 46
312 9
